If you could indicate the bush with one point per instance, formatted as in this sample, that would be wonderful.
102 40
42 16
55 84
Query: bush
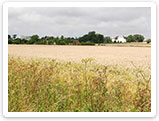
148 41
87 43
10 41
61 42
40 42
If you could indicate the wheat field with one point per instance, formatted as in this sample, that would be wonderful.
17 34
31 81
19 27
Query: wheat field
104 55
44 78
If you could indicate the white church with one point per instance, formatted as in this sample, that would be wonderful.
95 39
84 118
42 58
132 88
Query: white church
119 39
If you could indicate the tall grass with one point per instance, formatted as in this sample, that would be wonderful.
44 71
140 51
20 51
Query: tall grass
40 85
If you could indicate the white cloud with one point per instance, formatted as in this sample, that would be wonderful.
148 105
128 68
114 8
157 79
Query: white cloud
79 21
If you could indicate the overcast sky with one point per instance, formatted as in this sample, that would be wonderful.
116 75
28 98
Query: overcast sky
75 22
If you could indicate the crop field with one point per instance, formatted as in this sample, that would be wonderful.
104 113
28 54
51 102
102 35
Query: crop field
43 78
124 56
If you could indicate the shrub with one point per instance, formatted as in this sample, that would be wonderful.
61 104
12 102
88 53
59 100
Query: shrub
87 43
148 41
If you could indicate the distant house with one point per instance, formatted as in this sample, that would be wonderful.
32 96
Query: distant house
119 39
113 39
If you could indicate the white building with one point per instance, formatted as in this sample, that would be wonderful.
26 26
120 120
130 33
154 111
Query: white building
113 39
119 39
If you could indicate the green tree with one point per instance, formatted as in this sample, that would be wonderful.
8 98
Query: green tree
148 41
92 36
33 39
17 41
130 38
100 38
61 42
107 40
84 38
14 36
10 41
139 38
62 37
9 37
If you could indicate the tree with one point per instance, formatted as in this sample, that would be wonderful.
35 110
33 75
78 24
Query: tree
62 37
84 38
100 38
9 37
130 38
148 41
17 41
33 39
10 41
139 38
92 36
107 40
14 36
61 42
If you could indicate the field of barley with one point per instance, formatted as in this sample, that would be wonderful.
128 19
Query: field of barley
46 78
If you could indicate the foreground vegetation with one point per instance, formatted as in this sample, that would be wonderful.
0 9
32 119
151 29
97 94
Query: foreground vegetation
47 85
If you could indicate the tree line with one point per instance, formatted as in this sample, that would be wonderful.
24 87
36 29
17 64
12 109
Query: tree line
91 38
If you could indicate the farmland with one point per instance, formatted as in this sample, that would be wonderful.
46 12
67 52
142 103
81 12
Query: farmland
51 78
103 55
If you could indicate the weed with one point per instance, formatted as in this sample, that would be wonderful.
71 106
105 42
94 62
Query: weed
46 85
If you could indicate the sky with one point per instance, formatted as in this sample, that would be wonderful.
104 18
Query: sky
75 22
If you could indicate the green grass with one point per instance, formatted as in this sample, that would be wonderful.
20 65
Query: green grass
45 85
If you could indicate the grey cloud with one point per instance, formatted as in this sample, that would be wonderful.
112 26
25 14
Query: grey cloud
78 21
